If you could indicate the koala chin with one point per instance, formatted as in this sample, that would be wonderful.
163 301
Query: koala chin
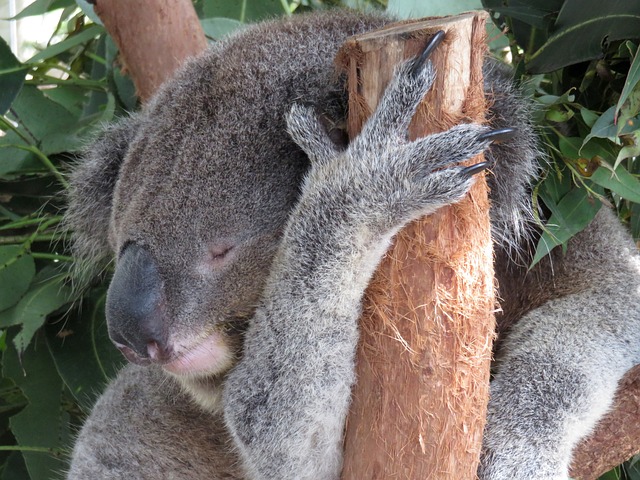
245 236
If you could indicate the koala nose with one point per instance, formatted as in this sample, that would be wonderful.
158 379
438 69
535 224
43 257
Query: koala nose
134 308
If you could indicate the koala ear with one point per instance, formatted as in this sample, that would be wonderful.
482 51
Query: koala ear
90 196
307 131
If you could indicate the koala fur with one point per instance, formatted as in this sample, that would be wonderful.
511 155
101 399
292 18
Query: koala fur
245 237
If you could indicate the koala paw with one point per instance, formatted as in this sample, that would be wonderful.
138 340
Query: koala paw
383 175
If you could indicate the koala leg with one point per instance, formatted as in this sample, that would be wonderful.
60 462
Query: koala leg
286 401
561 363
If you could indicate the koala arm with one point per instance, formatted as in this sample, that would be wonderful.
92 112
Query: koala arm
286 401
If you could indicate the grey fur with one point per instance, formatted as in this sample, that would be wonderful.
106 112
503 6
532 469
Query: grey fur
246 229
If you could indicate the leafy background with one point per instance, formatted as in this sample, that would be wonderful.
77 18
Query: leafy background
577 58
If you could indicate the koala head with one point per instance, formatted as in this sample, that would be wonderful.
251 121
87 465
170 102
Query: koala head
191 197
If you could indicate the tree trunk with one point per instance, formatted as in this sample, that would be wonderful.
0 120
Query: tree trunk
154 37
423 361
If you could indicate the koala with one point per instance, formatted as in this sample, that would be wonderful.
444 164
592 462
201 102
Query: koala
245 232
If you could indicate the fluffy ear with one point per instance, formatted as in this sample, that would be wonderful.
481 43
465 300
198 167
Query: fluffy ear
90 196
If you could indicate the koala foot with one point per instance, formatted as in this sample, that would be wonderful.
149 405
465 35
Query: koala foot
384 176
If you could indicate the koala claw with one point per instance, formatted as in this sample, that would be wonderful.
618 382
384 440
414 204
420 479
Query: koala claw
473 169
498 136
420 60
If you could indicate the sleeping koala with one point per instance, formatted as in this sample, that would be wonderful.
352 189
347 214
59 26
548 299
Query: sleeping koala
244 238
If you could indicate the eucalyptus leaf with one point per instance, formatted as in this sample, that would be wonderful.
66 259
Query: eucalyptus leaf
420 8
17 269
620 182
628 151
573 213
570 147
633 78
44 297
590 117
87 34
40 423
242 10
40 7
124 87
559 115
604 127
12 80
12 159
44 120
85 336
14 468
217 28
581 30
634 224
555 186
71 97
87 9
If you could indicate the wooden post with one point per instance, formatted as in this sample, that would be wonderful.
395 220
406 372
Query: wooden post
154 37
423 362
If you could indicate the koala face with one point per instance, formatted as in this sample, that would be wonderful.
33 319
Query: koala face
197 213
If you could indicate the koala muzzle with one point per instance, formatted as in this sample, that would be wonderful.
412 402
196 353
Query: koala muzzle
135 308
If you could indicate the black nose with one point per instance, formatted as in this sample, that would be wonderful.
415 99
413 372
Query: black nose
135 308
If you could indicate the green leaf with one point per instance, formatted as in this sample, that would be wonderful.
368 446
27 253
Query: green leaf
52 126
84 335
554 187
581 30
14 468
36 8
124 87
244 10
621 182
559 114
635 221
45 296
217 28
604 127
628 151
71 97
40 423
87 9
40 7
13 160
12 74
572 214
17 269
87 34
633 78
420 8
570 147
590 117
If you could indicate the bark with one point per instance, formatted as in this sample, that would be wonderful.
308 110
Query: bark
154 37
423 361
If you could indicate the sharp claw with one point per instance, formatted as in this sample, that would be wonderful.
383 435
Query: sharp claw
419 61
473 169
497 136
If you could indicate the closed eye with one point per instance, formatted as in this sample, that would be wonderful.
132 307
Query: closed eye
218 256
218 251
